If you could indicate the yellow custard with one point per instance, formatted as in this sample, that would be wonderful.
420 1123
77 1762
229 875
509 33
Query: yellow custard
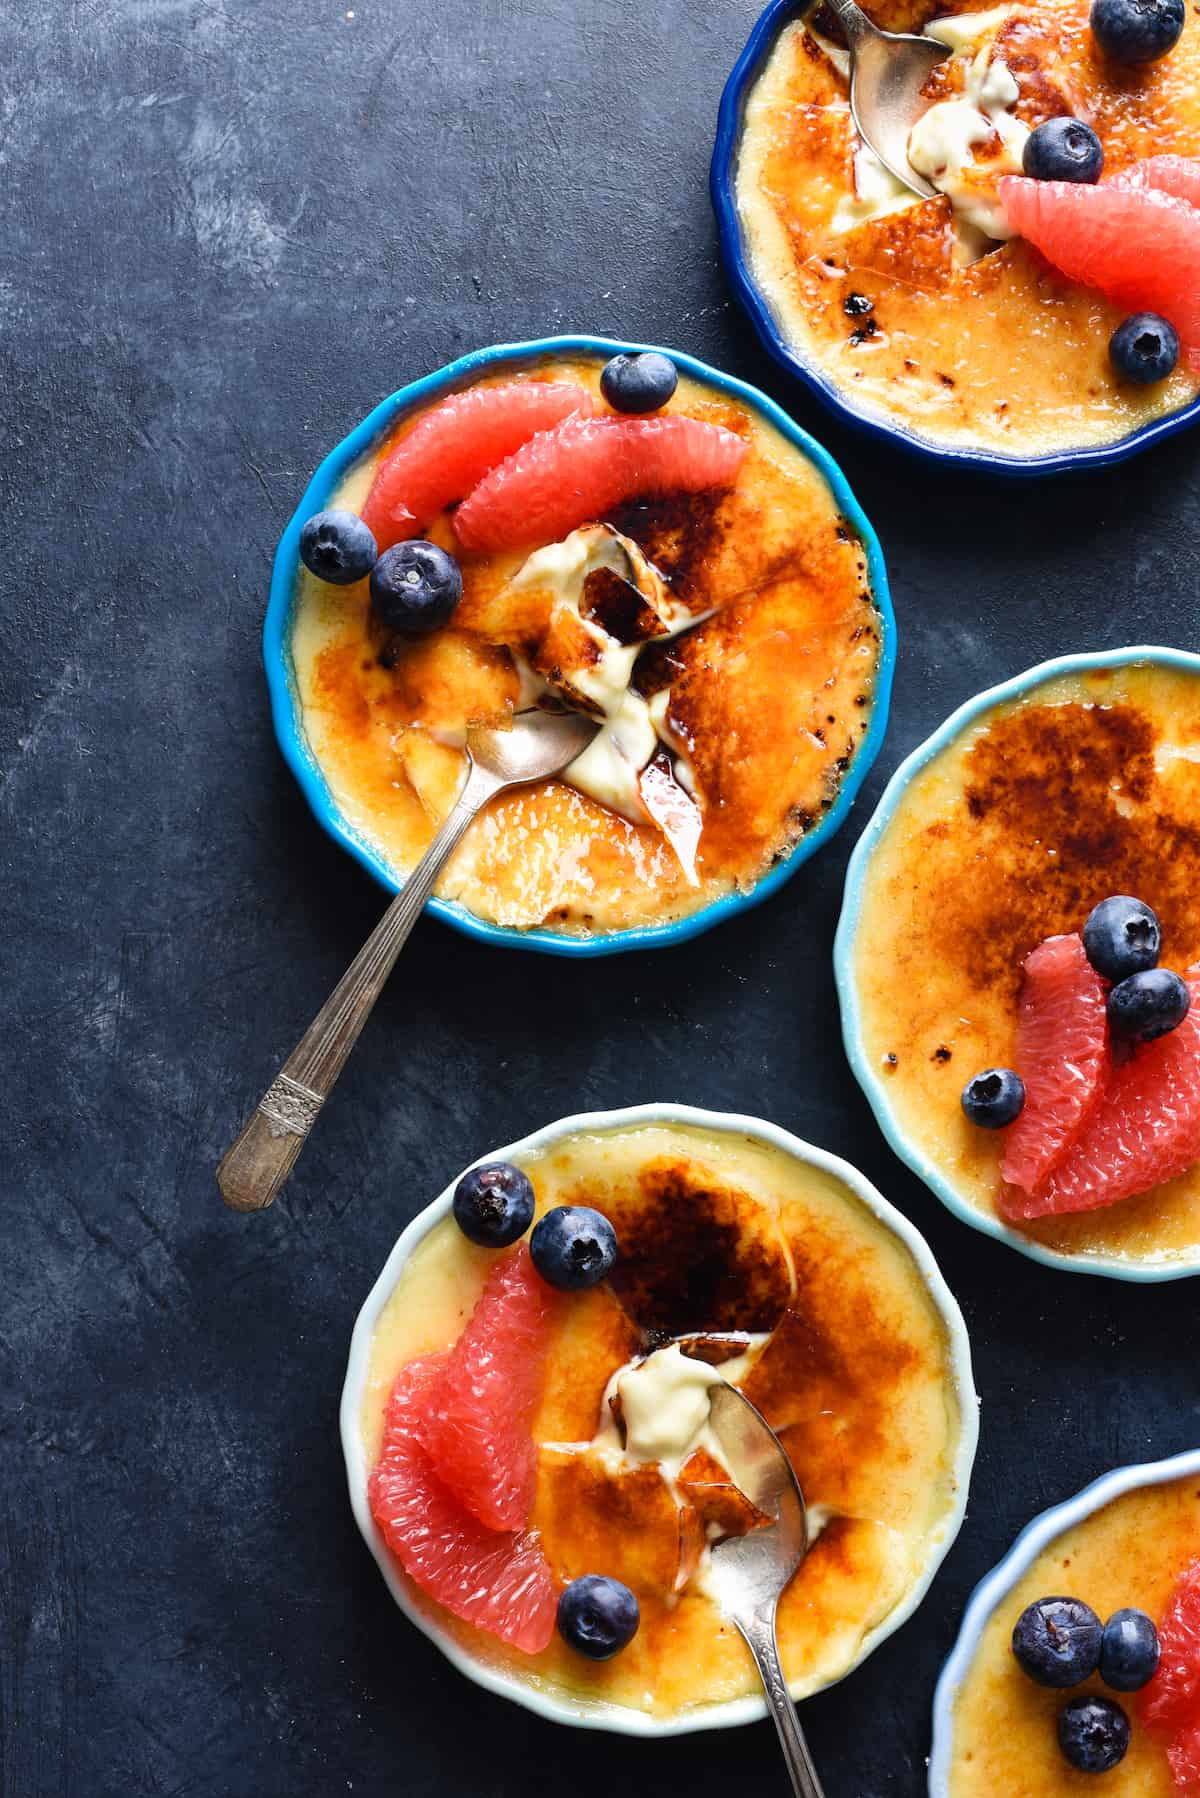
765 702
1004 1742
911 313
833 1333
1086 786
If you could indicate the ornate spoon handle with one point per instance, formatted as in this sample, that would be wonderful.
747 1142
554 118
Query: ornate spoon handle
853 21
255 1167
764 1646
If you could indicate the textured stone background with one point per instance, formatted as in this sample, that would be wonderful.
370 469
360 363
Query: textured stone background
227 227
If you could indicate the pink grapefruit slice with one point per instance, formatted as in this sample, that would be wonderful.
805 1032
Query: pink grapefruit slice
499 1581
1145 1130
586 466
1139 246
1178 175
1062 1056
451 447
1172 1698
478 1434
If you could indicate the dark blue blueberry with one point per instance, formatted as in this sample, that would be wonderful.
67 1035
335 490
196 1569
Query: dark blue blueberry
1137 30
597 1616
1144 348
640 383
1093 1734
337 547
1122 937
493 1205
1147 1005
415 587
1063 150
1129 1651
1057 1641
994 1098
573 1247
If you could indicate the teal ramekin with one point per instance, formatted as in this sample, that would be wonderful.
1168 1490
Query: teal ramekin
285 704
843 960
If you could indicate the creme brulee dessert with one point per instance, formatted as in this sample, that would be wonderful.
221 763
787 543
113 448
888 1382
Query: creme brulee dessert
1128 1555
729 1260
1085 786
720 628
932 315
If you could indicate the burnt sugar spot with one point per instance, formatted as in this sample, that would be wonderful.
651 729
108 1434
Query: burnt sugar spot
680 534
696 1255
1062 806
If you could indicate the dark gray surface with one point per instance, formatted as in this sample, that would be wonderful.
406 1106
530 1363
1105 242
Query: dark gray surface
228 227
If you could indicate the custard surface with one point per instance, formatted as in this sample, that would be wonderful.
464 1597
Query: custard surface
1130 1552
1001 355
717 1232
1086 786
771 697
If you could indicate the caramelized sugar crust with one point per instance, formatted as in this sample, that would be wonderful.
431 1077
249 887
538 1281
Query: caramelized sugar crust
1002 354
1004 1727
855 1375
1088 787
771 697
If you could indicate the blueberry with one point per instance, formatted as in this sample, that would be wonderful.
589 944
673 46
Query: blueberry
1063 150
1147 1005
640 383
337 547
994 1098
1128 1651
573 1247
1137 30
415 587
493 1205
1093 1734
597 1616
1057 1641
1121 937
1144 348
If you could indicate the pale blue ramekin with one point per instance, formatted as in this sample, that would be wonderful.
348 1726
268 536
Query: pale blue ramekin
843 961
737 265
285 704
995 1588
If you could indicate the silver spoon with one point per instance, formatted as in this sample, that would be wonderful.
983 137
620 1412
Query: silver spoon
887 73
254 1169
750 1572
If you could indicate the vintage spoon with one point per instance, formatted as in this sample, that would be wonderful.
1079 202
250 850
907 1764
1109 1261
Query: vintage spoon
749 1572
887 73
255 1167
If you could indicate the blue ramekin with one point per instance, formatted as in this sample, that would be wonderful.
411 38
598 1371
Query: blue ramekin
995 1587
285 704
733 250
843 961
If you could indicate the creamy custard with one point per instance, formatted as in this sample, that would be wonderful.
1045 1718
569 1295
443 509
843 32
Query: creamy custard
759 706
1086 786
806 1300
886 295
1128 1553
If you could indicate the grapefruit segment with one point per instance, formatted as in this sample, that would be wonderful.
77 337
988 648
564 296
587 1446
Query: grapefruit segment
1183 1757
1139 245
584 467
1145 1129
453 445
478 1434
1172 1699
1062 1056
1178 175
498 1581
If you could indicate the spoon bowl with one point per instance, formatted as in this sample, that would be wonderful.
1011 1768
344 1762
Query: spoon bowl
534 746
888 72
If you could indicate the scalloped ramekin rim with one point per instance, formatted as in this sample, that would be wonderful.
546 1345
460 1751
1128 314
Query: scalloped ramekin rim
996 1585
618 1718
1110 1267
285 705
733 251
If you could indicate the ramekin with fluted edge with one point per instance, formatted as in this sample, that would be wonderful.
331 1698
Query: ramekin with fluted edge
858 872
621 1718
287 713
996 1586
